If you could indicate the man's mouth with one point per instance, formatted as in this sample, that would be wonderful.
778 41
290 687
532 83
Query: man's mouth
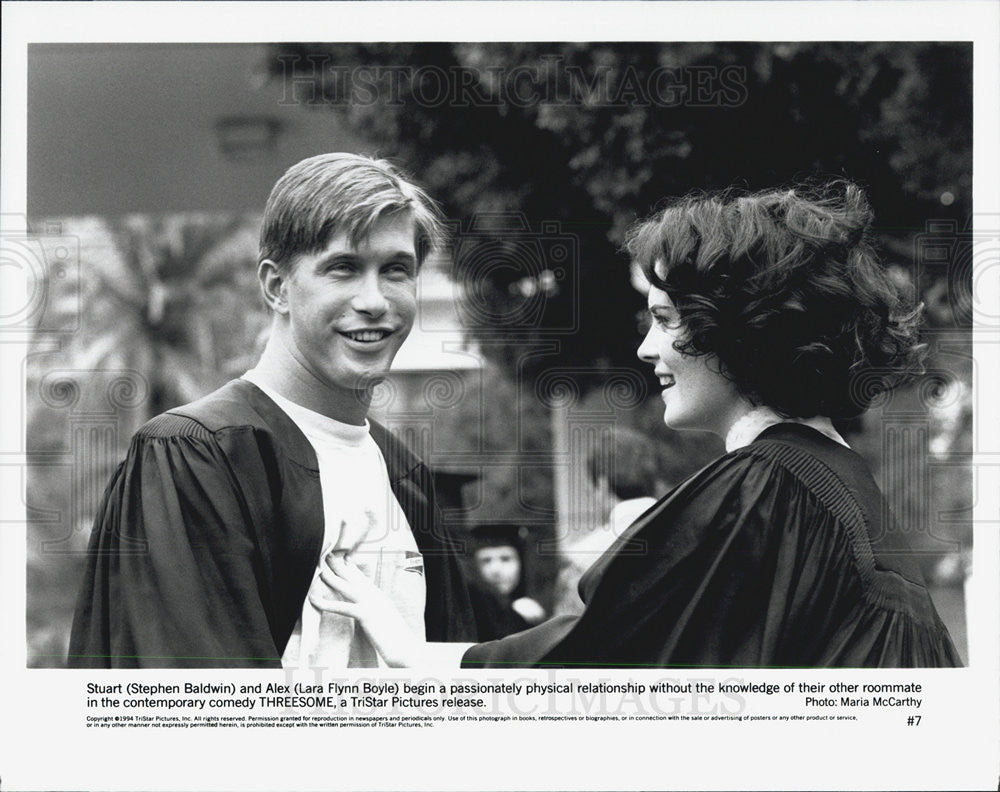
667 382
367 336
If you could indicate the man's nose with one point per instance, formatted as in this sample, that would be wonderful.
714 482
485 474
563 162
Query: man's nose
369 297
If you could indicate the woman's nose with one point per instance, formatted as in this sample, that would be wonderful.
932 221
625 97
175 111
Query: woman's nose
647 349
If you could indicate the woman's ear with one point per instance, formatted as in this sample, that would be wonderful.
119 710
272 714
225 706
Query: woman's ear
273 283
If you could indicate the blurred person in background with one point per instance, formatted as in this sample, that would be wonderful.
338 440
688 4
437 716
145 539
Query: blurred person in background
624 487
497 585
771 316
211 531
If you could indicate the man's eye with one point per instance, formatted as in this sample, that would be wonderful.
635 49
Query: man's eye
399 269
340 267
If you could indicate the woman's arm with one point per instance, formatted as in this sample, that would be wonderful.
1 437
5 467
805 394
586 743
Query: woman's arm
352 593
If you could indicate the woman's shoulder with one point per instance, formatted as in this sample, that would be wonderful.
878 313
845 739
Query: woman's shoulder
798 456
791 481
792 457
819 475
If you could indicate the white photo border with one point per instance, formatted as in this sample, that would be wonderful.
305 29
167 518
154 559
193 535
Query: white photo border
46 744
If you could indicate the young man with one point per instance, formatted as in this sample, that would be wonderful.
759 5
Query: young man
211 532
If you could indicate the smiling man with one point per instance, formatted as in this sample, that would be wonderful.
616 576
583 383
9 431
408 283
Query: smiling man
212 530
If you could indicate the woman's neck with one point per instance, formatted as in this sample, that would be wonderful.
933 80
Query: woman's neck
745 429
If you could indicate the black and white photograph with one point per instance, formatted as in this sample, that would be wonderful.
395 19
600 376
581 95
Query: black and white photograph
598 360
699 474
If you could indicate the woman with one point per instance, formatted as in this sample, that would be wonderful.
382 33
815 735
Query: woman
771 316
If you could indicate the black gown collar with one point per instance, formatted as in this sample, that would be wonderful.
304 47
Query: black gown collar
294 444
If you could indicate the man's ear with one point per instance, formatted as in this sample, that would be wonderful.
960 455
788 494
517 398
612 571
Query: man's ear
273 283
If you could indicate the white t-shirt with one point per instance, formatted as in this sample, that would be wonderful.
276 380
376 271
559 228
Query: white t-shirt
363 518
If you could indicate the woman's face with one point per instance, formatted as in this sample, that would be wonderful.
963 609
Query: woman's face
695 394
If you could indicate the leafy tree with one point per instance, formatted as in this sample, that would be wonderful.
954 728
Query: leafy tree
592 135
171 305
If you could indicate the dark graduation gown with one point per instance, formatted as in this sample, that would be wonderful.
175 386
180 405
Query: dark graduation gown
779 554
495 617
208 535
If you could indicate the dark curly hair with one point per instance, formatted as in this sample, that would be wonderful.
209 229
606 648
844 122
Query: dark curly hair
785 289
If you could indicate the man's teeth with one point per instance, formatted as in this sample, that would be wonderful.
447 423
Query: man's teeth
368 335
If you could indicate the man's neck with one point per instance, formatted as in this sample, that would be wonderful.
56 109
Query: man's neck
280 370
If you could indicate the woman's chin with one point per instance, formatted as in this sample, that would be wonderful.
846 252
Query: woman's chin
675 422
679 423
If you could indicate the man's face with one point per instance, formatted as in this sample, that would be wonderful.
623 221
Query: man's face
350 309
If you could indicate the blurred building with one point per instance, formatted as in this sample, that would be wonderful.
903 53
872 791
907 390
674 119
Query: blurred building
119 128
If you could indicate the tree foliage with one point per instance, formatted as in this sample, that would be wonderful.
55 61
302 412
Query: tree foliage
593 135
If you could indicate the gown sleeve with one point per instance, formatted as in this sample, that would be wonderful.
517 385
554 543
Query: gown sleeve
641 593
744 565
175 575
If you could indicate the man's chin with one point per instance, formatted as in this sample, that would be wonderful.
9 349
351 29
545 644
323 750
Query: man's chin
366 381
359 376
369 378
